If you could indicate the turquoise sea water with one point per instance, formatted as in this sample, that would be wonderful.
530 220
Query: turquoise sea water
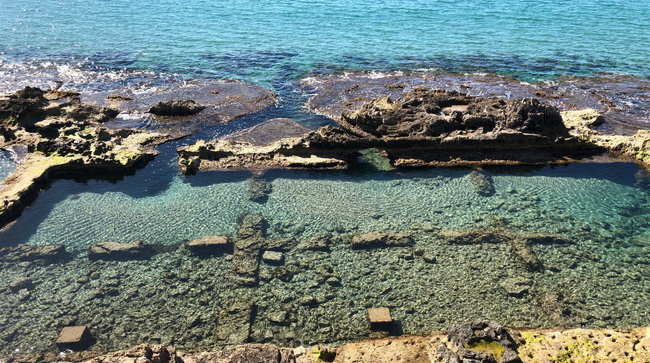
257 40
602 276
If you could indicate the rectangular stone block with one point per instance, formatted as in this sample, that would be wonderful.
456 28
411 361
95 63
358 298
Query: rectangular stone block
273 257
380 319
74 338
210 245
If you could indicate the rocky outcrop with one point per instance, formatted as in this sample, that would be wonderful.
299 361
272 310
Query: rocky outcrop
436 113
636 146
435 128
176 108
62 135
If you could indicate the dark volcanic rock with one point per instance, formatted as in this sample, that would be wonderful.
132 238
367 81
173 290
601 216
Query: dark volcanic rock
21 252
380 239
176 108
479 332
118 250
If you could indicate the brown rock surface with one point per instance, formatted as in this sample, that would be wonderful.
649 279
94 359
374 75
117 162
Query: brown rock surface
74 337
409 349
210 244
420 129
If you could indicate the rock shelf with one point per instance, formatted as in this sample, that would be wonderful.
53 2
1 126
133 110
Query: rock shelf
436 128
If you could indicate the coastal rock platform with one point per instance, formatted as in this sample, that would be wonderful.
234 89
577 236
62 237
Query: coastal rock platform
52 133
436 128
527 346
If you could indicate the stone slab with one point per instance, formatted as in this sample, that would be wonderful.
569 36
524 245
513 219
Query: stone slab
380 319
210 244
273 257
74 337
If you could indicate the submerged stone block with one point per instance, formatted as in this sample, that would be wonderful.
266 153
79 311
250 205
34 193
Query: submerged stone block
117 250
48 253
210 245
380 239
273 257
74 337
380 319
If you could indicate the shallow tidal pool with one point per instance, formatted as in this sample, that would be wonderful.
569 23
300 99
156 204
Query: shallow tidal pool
599 278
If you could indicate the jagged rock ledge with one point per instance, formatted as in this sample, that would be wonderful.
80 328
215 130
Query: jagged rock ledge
479 341
52 133
582 122
436 128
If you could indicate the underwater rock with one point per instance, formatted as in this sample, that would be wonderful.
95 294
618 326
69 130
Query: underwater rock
21 283
210 245
380 239
258 189
248 248
525 254
269 132
234 323
63 135
273 257
554 305
520 244
516 286
46 253
118 250
176 108
316 243
482 183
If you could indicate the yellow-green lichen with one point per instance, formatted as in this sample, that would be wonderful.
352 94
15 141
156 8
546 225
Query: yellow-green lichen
484 346
533 338
581 351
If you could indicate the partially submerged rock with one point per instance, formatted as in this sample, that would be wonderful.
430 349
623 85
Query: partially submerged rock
481 341
269 132
435 128
210 245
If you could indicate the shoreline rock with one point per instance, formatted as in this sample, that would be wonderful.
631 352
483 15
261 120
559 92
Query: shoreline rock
435 128
63 135
477 345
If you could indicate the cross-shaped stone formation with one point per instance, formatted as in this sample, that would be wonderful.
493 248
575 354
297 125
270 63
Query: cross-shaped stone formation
250 243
